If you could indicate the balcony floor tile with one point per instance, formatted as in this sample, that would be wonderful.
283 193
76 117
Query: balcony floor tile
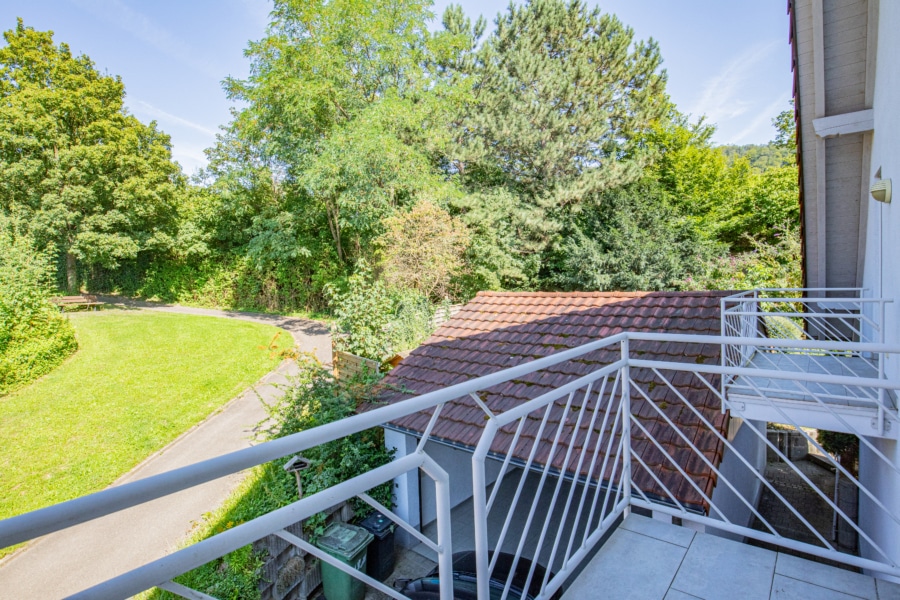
718 568
824 576
640 561
622 572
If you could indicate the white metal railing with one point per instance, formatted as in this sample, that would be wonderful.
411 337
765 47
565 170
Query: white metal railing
572 461
838 318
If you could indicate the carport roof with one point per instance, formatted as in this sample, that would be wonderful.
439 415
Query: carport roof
497 330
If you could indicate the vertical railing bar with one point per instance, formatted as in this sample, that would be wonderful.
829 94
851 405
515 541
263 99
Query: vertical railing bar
626 422
505 466
615 466
620 451
587 480
550 456
559 481
525 471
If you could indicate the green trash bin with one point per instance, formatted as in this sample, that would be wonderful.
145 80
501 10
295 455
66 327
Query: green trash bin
348 544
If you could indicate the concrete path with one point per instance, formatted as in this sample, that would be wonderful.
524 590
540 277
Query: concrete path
71 560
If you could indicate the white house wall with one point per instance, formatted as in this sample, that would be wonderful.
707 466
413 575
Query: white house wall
748 445
417 506
882 269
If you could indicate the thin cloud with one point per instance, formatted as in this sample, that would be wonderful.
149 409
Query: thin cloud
160 114
725 96
143 28
764 118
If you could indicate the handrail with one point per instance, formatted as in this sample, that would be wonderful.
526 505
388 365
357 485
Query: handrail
53 518
46 520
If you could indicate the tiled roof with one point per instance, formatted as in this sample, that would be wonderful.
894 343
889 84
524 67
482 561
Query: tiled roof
497 330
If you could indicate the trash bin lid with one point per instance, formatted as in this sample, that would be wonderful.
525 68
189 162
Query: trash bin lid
377 524
344 540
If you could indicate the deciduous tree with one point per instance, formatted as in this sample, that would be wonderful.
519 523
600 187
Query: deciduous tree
86 176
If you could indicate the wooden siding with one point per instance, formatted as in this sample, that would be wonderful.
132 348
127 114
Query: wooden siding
831 68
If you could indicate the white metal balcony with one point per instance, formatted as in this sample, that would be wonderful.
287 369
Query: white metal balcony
839 327
570 465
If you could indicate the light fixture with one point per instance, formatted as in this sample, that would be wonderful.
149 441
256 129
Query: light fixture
881 190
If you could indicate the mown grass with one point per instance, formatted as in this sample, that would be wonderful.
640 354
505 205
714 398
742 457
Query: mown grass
138 381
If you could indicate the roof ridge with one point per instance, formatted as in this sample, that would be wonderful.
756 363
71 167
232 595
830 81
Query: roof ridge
614 294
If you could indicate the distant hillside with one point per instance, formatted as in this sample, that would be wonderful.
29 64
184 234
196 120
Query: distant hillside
761 156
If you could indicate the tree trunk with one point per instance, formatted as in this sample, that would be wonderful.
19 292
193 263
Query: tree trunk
71 274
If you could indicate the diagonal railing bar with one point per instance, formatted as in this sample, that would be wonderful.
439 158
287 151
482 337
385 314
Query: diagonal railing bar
398 521
814 487
697 451
426 435
664 487
841 468
184 591
743 460
822 451
678 468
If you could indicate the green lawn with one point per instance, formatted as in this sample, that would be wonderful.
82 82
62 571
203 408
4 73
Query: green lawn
138 380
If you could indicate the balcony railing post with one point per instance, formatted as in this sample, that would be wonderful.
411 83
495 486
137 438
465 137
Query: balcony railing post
480 510
626 426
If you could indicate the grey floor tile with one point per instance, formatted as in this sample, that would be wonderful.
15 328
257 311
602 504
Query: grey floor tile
887 590
825 576
785 588
666 532
628 566
715 568
677 595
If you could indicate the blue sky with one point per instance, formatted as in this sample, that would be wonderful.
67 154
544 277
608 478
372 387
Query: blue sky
726 59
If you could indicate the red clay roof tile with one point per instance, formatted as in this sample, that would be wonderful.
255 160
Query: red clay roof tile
497 330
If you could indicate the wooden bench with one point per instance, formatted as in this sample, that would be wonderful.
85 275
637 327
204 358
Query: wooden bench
87 300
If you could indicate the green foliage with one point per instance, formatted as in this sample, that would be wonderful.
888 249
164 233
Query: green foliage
236 575
315 398
86 176
362 314
775 265
412 320
632 240
34 337
422 250
786 126
761 157
562 102
138 381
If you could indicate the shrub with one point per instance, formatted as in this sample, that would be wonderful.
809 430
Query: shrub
316 398
34 337
363 313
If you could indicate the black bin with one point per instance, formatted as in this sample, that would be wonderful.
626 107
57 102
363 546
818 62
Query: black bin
380 558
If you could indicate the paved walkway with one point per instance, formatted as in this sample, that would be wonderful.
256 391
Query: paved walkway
71 560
